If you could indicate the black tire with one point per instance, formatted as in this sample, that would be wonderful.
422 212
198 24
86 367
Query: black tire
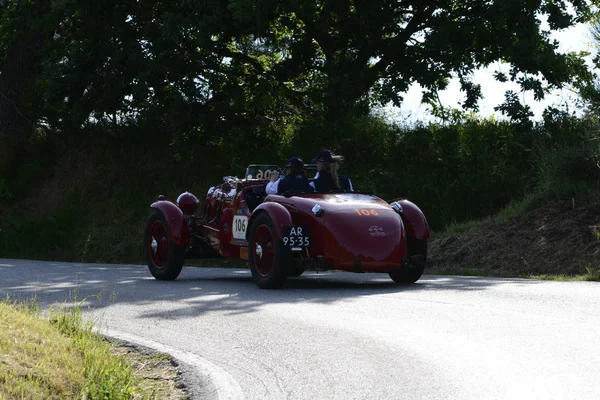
269 265
166 265
412 272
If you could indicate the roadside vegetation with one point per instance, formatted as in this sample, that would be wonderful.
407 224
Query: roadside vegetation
481 183
104 108
552 232
58 356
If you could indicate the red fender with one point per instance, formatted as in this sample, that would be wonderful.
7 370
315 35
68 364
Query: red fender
414 220
278 213
178 229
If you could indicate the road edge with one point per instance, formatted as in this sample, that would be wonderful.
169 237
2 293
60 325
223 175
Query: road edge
204 380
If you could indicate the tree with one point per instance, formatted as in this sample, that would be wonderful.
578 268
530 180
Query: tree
216 68
20 66
344 54
588 86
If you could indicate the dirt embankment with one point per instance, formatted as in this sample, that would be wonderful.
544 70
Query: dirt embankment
556 238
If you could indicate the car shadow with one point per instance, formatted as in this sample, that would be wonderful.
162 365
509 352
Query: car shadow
203 290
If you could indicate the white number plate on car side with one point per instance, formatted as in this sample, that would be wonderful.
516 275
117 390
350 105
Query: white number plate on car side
240 224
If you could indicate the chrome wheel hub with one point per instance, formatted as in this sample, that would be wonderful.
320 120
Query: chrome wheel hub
259 251
154 245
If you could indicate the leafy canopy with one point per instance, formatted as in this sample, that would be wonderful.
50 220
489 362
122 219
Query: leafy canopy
208 68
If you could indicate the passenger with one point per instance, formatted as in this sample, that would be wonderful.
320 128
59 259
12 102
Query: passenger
327 178
295 179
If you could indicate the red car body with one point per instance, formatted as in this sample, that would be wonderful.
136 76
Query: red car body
283 235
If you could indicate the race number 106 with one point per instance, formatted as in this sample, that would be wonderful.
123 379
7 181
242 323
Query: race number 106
264 175
364 212
240 224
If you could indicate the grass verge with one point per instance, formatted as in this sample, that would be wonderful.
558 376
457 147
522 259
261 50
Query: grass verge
550 238
60 357
592 275
528 203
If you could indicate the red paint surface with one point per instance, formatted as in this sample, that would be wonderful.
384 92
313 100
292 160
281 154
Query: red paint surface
278 213
178 229
415 221
343 235
356 232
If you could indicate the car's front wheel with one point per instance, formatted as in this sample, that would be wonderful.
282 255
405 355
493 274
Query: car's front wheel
165 258
269 260
417 256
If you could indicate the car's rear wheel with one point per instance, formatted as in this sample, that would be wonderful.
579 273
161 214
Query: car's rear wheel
269 260
165 258
417 256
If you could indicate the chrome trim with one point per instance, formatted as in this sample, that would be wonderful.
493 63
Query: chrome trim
397 207
317 210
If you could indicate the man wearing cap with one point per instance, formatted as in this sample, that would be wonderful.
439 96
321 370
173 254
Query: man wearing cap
295 179
328 179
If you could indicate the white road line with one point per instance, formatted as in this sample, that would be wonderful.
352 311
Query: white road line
225 386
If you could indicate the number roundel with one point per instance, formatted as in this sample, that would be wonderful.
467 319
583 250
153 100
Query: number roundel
240 225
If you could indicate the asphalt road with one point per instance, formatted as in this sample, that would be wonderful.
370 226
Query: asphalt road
343 335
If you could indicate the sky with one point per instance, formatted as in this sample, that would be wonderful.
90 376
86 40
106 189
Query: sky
577 38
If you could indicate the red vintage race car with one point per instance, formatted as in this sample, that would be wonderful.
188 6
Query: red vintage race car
284 235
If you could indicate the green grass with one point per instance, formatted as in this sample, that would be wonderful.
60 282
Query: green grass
60 357
592 274
494 224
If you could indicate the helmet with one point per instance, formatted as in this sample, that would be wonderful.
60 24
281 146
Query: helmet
327 156
295 162
188 203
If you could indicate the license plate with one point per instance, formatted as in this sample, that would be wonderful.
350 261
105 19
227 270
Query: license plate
295 238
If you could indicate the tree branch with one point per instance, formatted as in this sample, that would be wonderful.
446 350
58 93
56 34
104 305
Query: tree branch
417 23
313 32
16 108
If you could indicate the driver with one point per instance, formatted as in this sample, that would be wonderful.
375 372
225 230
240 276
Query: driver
328 179
295 178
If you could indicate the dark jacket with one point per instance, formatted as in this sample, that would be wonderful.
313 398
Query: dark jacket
297 182
324 183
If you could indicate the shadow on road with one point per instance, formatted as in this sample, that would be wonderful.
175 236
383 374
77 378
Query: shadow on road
202 290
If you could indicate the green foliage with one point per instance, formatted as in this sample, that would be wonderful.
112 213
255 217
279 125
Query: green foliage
454 172
133 99
4 192
203 73
106 376
568 161
515 110
92 204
